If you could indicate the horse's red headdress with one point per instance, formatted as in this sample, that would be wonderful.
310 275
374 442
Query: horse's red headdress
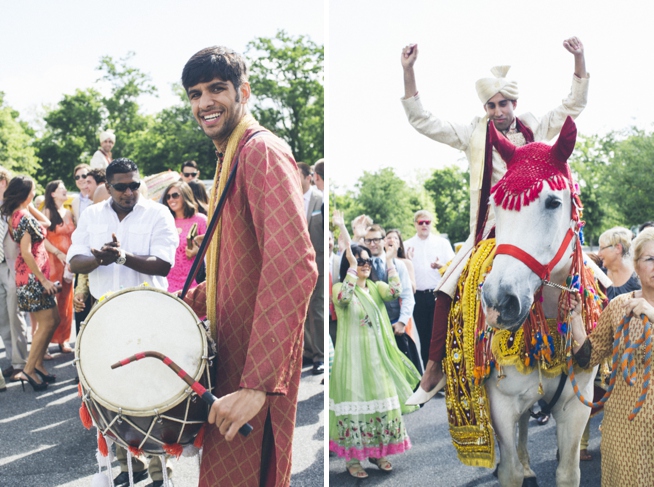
538 163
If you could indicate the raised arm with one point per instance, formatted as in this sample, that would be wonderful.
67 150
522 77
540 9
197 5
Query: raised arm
409 56
574 46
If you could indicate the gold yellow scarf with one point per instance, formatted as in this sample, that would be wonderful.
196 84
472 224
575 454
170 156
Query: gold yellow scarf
219 182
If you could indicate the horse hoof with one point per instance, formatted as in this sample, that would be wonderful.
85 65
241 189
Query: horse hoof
529 482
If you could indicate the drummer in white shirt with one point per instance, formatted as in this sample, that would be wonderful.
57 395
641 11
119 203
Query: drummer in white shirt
428 252
123 242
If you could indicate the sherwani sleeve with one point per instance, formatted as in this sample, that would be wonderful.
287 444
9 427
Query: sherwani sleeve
288 270
454 135
549 126
196 298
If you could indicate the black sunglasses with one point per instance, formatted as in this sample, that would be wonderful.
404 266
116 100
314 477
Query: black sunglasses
123 186
361 262
190 174
172 195
80 176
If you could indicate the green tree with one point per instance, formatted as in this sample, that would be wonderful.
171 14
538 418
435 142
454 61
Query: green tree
16 151
449 188
630 179
590 164
123 111
286 75
70 135
386 198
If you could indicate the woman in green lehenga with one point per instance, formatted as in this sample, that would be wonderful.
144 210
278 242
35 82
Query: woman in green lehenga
371 378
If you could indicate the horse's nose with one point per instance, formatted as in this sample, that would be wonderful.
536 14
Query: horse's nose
506 307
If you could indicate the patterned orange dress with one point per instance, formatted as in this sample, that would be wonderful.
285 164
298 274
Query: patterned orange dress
627 446
61 238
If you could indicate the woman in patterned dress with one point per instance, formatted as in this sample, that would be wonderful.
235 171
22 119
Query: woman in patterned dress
60 230
371 379
36 292
179 199
627 446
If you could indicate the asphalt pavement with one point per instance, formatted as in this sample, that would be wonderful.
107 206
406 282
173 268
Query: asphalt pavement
432 460
43 442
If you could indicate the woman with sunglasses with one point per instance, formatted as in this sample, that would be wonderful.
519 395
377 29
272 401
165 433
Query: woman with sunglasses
36 292
59 234
371 379
179 199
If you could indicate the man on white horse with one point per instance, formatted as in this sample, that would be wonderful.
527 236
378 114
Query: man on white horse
499 98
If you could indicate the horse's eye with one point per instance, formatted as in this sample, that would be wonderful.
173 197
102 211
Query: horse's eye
552 203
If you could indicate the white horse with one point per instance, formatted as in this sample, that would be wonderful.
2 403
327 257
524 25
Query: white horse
538 228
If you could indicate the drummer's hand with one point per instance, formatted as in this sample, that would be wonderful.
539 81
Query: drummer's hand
232 411
79 302
105 255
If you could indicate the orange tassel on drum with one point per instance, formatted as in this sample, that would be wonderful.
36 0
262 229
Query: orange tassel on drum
79 390
135 451
85 416
102 445
199 439
174 449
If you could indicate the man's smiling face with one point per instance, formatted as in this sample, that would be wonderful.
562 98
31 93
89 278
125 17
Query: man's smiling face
218 107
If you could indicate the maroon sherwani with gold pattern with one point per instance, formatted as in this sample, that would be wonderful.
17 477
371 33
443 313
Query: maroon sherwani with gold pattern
266 274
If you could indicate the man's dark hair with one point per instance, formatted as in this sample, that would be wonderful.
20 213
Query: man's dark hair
98 174
376 228
319 168
215 62
645 225
120 166
192 164
305 168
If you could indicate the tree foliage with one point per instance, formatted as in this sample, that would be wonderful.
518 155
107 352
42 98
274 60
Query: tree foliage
286 75
449 188
16 151
386 198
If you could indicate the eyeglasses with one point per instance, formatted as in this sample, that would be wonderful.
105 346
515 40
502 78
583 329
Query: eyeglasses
362 262
607 247
80 176
190 174
172 195
372 240
423 222
123 186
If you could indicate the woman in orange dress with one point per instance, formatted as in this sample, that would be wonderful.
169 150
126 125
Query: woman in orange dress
59 234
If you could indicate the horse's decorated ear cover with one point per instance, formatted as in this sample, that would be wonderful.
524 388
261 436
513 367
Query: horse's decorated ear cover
540 162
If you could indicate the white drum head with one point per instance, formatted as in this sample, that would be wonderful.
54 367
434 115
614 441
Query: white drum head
139 320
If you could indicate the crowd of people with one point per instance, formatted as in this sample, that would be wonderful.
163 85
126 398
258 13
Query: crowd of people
258 283
383 286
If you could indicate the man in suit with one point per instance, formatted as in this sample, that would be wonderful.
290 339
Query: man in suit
314 340
13 328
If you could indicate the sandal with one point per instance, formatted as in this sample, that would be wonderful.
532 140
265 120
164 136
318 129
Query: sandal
584 456
356 470
382 463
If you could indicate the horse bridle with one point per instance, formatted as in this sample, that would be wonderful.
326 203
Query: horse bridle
543 271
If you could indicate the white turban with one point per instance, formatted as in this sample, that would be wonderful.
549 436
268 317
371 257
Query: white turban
107 134
487 88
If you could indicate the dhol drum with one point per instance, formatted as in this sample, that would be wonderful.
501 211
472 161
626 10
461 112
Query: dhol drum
144 405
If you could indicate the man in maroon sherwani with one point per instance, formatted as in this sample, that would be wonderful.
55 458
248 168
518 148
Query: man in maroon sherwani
263 272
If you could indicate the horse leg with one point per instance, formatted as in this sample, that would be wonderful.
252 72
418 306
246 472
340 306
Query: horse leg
571 417
523 454
510 472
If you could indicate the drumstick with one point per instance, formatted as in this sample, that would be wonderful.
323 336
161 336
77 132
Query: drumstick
195 385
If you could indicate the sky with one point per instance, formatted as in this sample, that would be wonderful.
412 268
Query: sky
48 49
458 42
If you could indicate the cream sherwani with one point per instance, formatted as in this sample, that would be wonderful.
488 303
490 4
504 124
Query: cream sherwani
471 139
